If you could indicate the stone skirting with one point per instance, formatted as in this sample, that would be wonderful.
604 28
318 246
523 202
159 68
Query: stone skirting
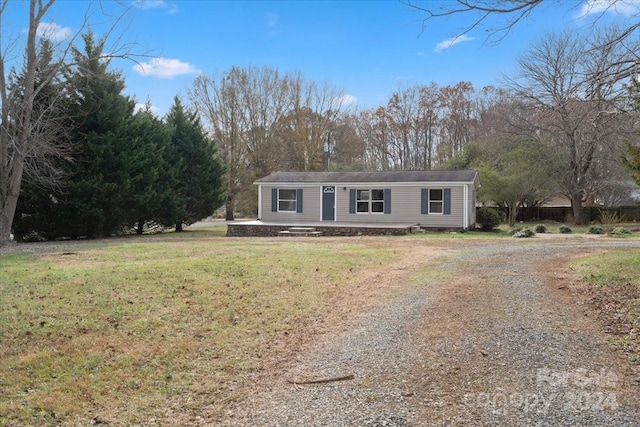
264 230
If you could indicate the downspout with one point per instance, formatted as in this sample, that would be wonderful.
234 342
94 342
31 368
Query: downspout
260 202
321 196
465 209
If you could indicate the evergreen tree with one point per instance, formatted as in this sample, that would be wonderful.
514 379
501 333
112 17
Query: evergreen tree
96 193
197 168
151 178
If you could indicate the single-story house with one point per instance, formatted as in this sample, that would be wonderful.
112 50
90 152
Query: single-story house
441 199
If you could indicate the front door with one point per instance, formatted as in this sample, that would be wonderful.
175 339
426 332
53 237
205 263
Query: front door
328 203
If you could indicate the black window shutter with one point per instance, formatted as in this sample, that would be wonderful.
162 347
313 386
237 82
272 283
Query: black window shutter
274 200
424 201
352 200
447 201
299 200
387 200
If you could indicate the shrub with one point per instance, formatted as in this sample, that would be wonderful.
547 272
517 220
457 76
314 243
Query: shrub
515 230
540 228
595 229
564 230
620 231
488 218
525 232
609 217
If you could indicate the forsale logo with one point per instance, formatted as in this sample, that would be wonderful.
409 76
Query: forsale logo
577 390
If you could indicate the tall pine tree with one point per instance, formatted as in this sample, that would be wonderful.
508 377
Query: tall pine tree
96 191
151 177
197 168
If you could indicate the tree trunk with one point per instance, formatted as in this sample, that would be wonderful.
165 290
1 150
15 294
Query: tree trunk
179 227
512 214
229 209
140 227
7 211
12 161
576 206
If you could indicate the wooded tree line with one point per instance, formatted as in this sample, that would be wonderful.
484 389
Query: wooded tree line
563 125
84 164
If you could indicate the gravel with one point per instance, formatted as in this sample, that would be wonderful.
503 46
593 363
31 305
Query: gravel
497 349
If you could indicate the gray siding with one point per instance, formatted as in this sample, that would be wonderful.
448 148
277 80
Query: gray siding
405 208
311 205
405 205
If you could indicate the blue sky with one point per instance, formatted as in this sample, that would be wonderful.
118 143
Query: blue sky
366 48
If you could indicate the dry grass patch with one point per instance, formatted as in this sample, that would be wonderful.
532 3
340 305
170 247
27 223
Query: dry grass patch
610 285
152 328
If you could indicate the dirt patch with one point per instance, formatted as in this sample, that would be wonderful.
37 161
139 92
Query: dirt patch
615 308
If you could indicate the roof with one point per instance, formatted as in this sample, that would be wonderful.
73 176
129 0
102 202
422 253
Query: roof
375 176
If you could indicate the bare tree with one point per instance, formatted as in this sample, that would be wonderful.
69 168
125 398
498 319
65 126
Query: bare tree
499 17
582 115
420 127
481 13
426 129
402 111
303 131
16 136
30 136
346 144
457 118
262 120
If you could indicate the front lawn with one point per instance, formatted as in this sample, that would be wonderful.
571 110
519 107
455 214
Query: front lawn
127 330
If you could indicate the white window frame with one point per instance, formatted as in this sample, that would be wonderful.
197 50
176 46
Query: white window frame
369 202
436 202
288 200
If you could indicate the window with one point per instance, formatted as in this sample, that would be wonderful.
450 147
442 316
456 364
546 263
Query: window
287 201
436 200
370 201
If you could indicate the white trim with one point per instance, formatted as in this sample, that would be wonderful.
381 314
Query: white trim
295 192
436 200
321 202
335 203
260 201
363 184
465 207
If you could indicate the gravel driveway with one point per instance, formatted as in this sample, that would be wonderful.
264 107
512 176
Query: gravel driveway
492 337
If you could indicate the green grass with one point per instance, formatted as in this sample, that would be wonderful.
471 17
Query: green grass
614 268
128 329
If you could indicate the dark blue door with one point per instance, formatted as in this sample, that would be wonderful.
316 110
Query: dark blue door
328 203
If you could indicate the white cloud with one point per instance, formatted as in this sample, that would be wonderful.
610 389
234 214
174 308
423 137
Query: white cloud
142 107
156 4
164 68
620 7
345 100
150 4
446 44
53 31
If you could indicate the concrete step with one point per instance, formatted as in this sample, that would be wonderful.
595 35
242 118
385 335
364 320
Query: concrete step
290 233
417 229
302 229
